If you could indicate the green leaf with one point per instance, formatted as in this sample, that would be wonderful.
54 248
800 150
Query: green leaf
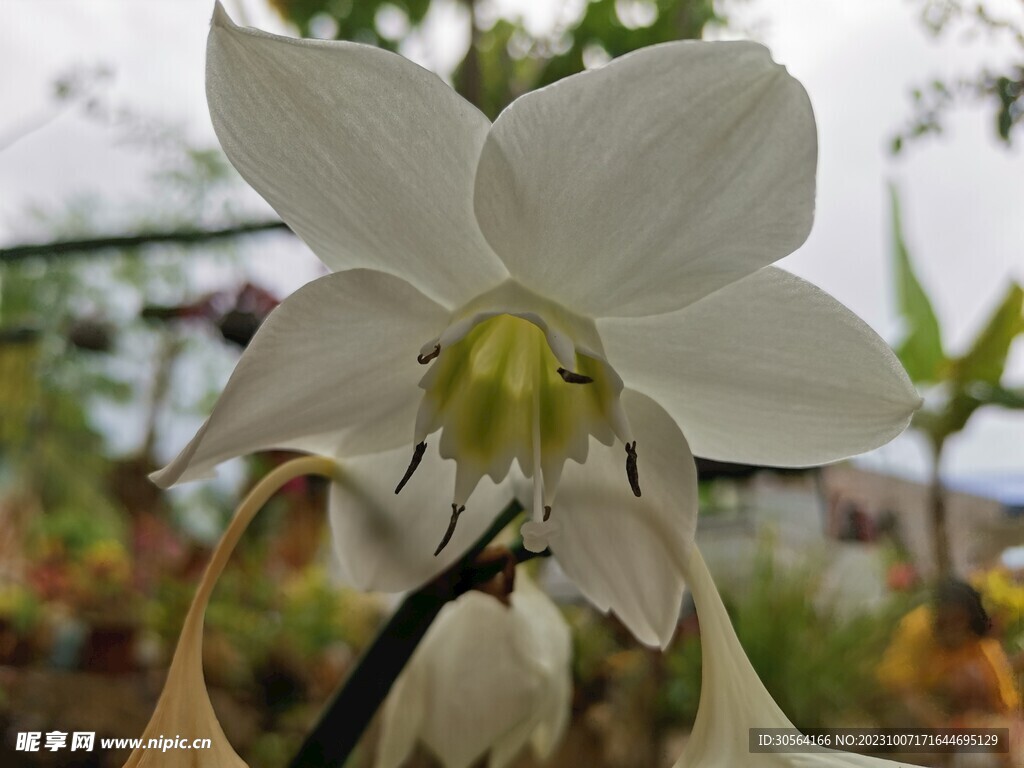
961 408
990 394
920 351
934 424
986 358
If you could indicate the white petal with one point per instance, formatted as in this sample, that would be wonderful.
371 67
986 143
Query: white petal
621 550
508 747
368 157
642 186
332 371
386 542
549 647
553 637
402 718
770 370
480 676
733 699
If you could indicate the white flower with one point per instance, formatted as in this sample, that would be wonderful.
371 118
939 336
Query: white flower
613 228
486 678
733 699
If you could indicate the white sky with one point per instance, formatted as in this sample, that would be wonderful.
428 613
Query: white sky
963 195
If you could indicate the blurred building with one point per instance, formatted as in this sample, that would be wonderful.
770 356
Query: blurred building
985 514
862 533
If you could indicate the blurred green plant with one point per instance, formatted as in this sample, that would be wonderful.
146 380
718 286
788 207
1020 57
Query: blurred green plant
817 662
505 58
49 338
956 386
319 614
73 533
19 607
77 356
275 643
255 615
1002 88
363 22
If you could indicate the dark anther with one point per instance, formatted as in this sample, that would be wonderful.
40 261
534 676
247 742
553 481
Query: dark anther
424 359
417 457
574 378
456 511
631 470
547 514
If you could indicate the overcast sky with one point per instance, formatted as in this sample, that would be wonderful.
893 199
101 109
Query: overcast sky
963 194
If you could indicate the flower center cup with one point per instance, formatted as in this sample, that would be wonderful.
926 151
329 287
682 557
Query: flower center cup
499 393
499 388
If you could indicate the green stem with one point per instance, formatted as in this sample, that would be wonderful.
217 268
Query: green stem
354 704
937 504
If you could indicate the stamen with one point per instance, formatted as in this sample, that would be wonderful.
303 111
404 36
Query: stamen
547 513
424 359
417 457
570 377
631 471
456 511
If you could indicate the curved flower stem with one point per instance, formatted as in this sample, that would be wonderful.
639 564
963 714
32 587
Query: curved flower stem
184 705
354 704
258 496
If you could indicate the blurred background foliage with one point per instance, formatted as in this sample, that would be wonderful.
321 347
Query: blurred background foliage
956 386
504 58
817 660
1001 89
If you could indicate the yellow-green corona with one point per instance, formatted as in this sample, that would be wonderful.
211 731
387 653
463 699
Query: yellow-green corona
499 393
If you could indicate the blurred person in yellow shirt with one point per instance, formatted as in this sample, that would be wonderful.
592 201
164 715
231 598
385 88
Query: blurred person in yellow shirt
944 668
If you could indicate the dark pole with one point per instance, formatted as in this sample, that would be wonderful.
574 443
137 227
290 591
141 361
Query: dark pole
352 706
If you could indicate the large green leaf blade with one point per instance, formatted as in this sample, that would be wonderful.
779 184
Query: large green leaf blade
986 358
920 351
